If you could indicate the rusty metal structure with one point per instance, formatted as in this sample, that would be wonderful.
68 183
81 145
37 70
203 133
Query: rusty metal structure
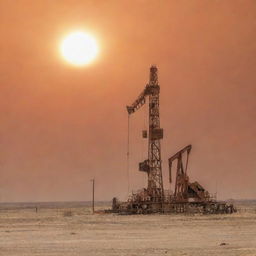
188 197
153 165
192 196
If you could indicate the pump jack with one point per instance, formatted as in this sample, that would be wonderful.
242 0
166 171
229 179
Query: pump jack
188 197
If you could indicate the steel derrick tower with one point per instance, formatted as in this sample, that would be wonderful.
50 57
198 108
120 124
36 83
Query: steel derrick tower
153 165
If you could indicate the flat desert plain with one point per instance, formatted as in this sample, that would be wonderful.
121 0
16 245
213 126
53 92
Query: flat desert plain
73 230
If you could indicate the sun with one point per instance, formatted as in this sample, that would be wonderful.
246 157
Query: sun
79 48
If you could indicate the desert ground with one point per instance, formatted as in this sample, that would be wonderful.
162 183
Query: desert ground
72 230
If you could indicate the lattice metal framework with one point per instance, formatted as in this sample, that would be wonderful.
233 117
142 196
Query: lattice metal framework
153 165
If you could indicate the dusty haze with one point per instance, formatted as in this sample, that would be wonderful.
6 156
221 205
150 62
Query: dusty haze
61 125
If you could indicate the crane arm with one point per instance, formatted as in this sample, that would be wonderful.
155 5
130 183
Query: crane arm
140 101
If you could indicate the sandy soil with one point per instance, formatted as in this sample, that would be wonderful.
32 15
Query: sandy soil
53 232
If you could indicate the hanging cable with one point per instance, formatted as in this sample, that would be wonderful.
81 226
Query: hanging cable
128 156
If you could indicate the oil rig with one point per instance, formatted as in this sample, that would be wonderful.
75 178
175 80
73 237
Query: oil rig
188 197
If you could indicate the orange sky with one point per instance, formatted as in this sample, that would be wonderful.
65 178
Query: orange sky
62 125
